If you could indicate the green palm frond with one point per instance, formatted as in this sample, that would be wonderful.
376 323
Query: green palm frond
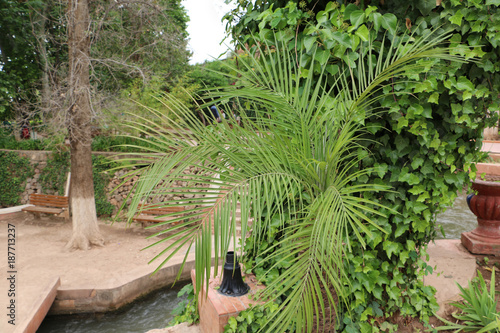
297 159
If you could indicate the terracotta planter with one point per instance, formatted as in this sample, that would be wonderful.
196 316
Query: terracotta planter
485 239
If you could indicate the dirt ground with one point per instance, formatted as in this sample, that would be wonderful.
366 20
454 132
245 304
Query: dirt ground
40 257
40 243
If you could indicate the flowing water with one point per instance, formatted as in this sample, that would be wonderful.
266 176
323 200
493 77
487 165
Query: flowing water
457 219
149 313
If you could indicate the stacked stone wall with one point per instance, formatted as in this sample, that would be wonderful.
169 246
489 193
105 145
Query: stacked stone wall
116 194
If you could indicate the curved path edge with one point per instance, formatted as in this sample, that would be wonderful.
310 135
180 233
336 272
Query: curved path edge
92 300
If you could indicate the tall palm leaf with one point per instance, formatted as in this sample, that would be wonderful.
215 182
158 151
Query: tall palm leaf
297 159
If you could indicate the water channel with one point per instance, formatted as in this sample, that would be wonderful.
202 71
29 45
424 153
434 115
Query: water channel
457 219
155 310
146 314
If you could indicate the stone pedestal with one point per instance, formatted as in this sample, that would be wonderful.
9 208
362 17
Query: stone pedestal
216 308
485 239
478 244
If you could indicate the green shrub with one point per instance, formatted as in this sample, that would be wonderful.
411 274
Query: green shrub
479 308
54 175
423 142
187 310
104 143
101 180
14 170
254 319
10 142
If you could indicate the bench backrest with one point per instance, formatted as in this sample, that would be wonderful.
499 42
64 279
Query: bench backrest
155 210
48 200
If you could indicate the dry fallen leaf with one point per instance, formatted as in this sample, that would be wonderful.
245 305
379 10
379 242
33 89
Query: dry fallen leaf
408 24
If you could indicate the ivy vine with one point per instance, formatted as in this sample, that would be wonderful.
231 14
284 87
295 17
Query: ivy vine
14 171
425 142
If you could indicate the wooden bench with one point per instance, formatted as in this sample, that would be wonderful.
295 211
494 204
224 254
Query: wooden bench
48 204
152 214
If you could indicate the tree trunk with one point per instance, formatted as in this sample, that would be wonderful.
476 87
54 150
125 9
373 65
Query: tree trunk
85 228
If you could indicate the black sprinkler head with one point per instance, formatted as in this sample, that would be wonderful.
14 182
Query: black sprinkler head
232 282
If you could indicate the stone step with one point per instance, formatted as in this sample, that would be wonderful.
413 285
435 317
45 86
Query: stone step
32 316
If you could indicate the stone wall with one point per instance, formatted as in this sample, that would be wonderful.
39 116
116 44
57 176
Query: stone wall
120 194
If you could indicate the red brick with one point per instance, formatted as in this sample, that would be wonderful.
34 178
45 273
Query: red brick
228 304
238 304
216 309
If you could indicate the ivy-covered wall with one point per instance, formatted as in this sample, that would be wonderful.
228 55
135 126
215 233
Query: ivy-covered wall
27 172
24 173
14 171
425 137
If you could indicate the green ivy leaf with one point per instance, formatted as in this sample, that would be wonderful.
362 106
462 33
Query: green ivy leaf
434 98
401 229
322 56
425 6
417 162
390 22
464 84
342 38
232 323
357 18
363 33
457 18
390 248
309 42
377 21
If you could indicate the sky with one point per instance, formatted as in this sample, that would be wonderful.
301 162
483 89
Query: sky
205 28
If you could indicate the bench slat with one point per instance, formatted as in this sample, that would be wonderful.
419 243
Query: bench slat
48 204
46 210
148 213
150 209
152 218
49 200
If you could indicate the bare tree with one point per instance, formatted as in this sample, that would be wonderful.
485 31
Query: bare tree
107 46
85 228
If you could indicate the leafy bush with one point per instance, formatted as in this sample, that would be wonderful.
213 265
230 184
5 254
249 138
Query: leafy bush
253 319
103 143
479 308
53 178
100 165
14 170
10 142
423 142
54 175
187 310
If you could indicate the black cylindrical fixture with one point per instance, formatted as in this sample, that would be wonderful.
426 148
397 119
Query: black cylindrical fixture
232 282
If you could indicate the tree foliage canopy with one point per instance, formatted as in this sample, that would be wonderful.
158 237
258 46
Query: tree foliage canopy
129 40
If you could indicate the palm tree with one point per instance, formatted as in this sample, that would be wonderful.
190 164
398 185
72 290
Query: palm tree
297 158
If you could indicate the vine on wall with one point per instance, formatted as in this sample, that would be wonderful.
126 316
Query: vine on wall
14 171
